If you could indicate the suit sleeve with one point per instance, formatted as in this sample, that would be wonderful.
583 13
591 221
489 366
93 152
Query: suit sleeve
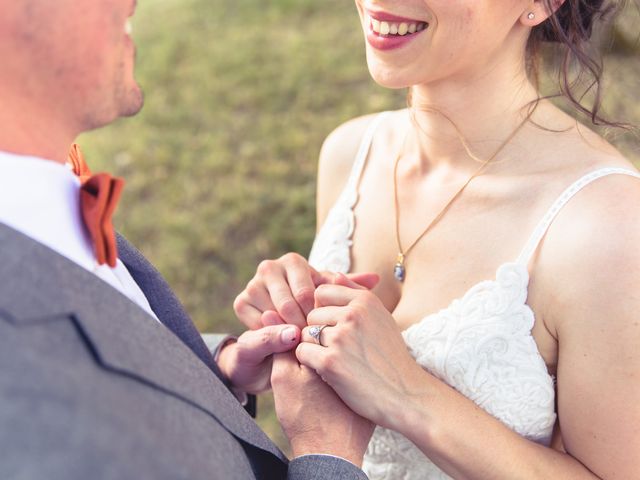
215 342
323 467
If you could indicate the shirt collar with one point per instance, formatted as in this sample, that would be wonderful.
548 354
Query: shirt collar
41 199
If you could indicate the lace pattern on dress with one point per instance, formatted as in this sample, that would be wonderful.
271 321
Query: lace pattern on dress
481 345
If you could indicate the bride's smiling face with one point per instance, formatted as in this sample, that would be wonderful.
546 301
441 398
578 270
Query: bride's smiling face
412 42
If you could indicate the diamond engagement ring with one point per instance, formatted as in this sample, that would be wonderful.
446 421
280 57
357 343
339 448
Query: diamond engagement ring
316 331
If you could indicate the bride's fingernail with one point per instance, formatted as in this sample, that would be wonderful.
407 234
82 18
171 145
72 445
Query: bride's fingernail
289 335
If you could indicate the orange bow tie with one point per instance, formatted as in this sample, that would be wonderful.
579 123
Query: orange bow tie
99 197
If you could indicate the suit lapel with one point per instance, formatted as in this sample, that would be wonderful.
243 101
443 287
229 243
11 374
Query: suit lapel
163 301
40 286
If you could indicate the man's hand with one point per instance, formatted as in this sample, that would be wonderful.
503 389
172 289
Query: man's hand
286 286
313 417
247 361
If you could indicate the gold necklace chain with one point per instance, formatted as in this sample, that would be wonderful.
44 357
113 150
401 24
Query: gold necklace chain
399 270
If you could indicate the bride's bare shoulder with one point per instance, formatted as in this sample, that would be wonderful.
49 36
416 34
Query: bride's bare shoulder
337 156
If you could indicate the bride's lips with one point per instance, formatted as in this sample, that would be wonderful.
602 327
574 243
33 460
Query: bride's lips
387 32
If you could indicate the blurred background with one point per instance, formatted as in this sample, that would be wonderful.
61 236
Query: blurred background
220 165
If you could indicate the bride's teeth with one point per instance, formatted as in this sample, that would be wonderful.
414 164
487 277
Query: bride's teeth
388 28
128 28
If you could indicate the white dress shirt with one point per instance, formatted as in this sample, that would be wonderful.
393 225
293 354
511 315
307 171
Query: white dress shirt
41 199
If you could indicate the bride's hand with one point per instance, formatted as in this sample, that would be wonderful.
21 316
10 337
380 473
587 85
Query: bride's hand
286 286
362 356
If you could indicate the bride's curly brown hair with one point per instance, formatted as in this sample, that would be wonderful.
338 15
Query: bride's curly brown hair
580 70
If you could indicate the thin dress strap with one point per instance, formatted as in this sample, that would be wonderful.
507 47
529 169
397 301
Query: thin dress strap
564 198
331 247
361 157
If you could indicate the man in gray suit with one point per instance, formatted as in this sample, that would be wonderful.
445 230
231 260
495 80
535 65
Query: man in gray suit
103 374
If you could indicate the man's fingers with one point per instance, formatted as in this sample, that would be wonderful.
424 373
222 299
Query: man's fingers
256 345
249 315
285 360
318 277
285 366
281 297
270 318
301 284
249 305
258 295
366 280
324 277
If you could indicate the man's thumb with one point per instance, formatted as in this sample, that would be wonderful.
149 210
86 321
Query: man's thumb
259 344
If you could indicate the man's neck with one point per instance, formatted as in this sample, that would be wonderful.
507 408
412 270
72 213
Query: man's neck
32 131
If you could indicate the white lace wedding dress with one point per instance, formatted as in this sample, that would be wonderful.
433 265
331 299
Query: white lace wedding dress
481 344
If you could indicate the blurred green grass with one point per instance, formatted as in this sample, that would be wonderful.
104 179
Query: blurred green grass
220 164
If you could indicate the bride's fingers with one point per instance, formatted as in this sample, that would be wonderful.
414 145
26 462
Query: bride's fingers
336 295
325 316
312 356
353 280
325 338
359 280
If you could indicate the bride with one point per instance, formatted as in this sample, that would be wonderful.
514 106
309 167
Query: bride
501 339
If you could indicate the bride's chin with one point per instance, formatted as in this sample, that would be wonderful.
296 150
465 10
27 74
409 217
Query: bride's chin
388 78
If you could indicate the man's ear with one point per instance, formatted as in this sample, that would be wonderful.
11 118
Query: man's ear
538 11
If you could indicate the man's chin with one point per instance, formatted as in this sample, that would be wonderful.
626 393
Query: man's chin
133 104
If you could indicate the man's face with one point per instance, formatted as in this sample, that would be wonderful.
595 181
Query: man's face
74 56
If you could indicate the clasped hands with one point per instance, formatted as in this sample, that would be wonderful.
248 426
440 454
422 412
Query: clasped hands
328 397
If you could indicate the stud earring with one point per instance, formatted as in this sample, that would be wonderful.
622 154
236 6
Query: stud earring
531 16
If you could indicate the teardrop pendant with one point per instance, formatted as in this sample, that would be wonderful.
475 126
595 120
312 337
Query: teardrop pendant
399 272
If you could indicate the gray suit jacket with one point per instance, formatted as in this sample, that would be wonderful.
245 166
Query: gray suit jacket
93 388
